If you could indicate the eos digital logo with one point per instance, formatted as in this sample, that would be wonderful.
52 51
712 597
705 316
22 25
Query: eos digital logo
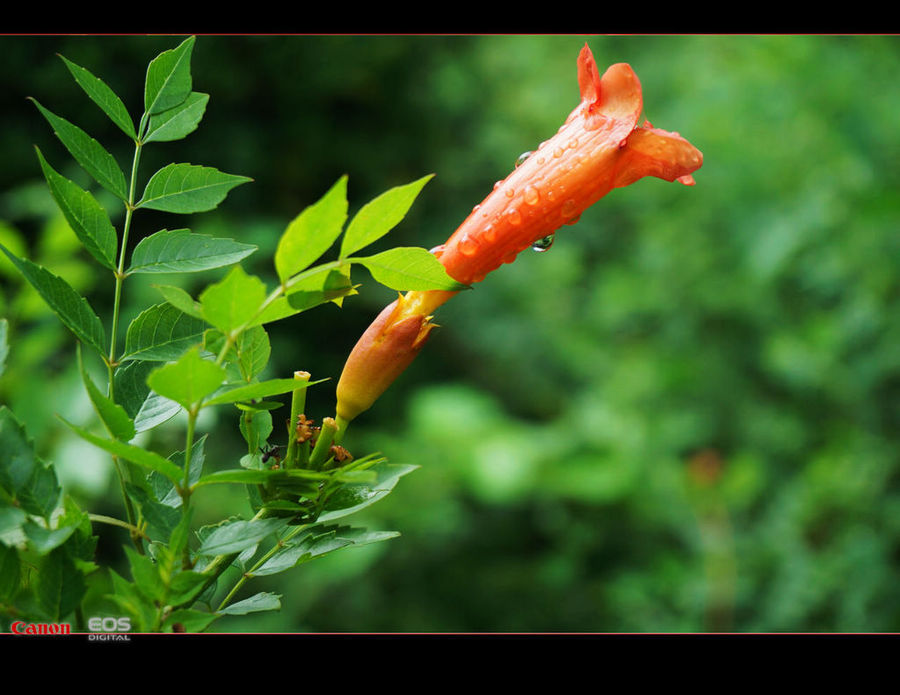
108 629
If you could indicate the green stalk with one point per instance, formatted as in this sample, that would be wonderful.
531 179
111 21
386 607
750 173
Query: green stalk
298 405
259 563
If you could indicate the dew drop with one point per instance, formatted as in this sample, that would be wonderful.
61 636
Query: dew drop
558 152
532 196
438 250
490 232
569 208
510 192
467 245
541 160
515 217
521 159
573 143
497 185
542 244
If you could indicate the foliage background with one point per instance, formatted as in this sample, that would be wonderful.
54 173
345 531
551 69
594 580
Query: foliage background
683 417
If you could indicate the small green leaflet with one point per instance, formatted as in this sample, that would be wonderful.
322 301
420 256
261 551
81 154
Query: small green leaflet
381 215
188 380
263 389
102 96
135 454
232 302
235 536
71 308
312 232
59 586
180 299
89 153
85 215
264 601
179 121
180 251
23 475
188 188
114 417
408 268
168 80
162 333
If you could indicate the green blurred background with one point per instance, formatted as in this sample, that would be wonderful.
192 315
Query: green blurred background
683 417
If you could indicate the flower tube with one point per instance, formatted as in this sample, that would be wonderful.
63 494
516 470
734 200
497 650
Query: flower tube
599 147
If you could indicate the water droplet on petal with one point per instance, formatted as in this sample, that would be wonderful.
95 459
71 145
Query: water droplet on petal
438 250
541 160
510 192
573 143
532 196
569 208
497 185
515 217
467 245
574 220
521 159
542 244
490 233
558 152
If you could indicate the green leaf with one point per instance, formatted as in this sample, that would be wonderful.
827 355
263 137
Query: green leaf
168 81
179 121
316 542
161 518
188 380
255 427
262 389
247 476
264 601
114 417
135 454
44 540
162 333
102 96
235 536
180 251
351 497
155 411
330 285
180 299
131 388
71 308
145 575
185 586
22 474
163 490
4 343
188 188
10 572
250 351
381 215
232 302
89 153
312 232
59 586
85 215
409 268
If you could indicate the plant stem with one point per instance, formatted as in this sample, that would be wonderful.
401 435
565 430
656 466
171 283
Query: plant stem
259 563
120 270
112 521
111 362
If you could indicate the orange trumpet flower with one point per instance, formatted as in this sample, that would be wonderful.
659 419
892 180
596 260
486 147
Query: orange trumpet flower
598 148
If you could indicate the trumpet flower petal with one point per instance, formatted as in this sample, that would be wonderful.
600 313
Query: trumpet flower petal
599 147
